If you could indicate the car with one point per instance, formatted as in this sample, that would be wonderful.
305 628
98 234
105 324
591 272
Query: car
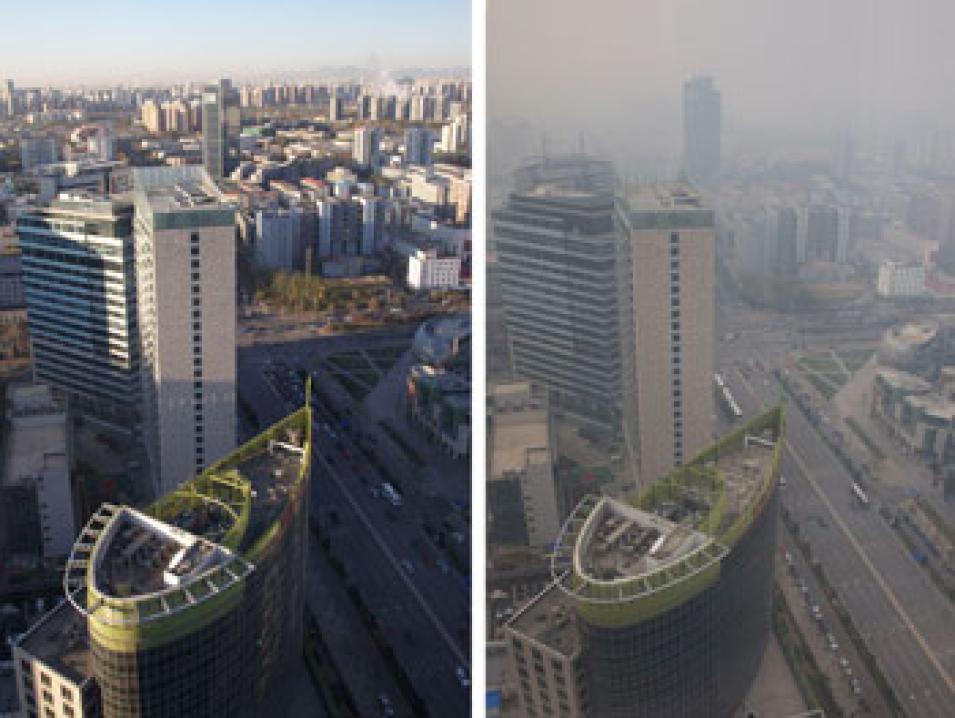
443 566
463 677
833 644
384 704
407 566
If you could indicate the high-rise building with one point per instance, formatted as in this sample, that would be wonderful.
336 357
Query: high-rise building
365 145
185 250
702 121
9 98
193 606
153 116
221 124
562 284
418 146
660 605
79 277
671 239
334 108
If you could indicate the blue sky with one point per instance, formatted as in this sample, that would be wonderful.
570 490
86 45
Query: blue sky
64 41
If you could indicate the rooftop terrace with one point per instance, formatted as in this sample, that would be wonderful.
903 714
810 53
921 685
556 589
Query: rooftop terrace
549 619
195 541
60 641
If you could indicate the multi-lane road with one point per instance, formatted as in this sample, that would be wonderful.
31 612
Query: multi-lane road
906 622
419 601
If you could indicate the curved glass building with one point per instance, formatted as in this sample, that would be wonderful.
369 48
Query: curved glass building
661 606
194 606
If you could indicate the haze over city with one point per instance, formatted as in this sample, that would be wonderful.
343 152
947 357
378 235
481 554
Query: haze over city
805 68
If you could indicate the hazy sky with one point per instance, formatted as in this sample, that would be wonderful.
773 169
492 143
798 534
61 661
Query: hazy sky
70 41
616 67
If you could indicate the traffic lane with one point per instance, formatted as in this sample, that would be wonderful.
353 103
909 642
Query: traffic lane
426 658
439 678
926 606
403 534
872 615
915 681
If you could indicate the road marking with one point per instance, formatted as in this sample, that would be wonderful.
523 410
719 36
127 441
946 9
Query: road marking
394 562
384 548
933 659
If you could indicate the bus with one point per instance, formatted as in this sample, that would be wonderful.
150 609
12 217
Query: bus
860 494
725 397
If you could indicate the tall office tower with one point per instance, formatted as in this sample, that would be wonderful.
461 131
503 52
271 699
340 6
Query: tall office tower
822 233
660 605
702 121
79 276
221 123
185 250
375 108
418 146
671 237
558 253
334 108
38 151
365 146
9 97
191 607
522 460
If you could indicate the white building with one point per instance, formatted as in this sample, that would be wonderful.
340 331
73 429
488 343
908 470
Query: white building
428 270
365 146
39 456
900 280
185 249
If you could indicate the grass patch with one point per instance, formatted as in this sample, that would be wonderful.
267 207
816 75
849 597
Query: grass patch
822 386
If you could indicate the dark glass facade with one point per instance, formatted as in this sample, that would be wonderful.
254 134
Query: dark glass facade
699 659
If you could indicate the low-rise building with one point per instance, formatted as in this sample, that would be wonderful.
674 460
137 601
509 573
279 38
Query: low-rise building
440 403
521 489
900 280
427 269
38 459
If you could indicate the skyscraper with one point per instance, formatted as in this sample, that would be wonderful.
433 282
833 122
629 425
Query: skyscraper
185 249
221 123
418 146
192 606
79 275
702 120
671 238
334 107
365 145
9 98
558 257
661 605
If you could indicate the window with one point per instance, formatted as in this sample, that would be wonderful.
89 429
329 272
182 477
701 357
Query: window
195 263
194 239
45 679
674 237
66 693
194 251
195 276
674 251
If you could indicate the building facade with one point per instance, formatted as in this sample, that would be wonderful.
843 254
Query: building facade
194 606
186 275
660 605
702 126
559 255
79 276
221 124
671 241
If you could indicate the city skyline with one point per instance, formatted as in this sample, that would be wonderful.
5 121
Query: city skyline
135 36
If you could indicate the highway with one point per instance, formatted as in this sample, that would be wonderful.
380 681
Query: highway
906 622
423 611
